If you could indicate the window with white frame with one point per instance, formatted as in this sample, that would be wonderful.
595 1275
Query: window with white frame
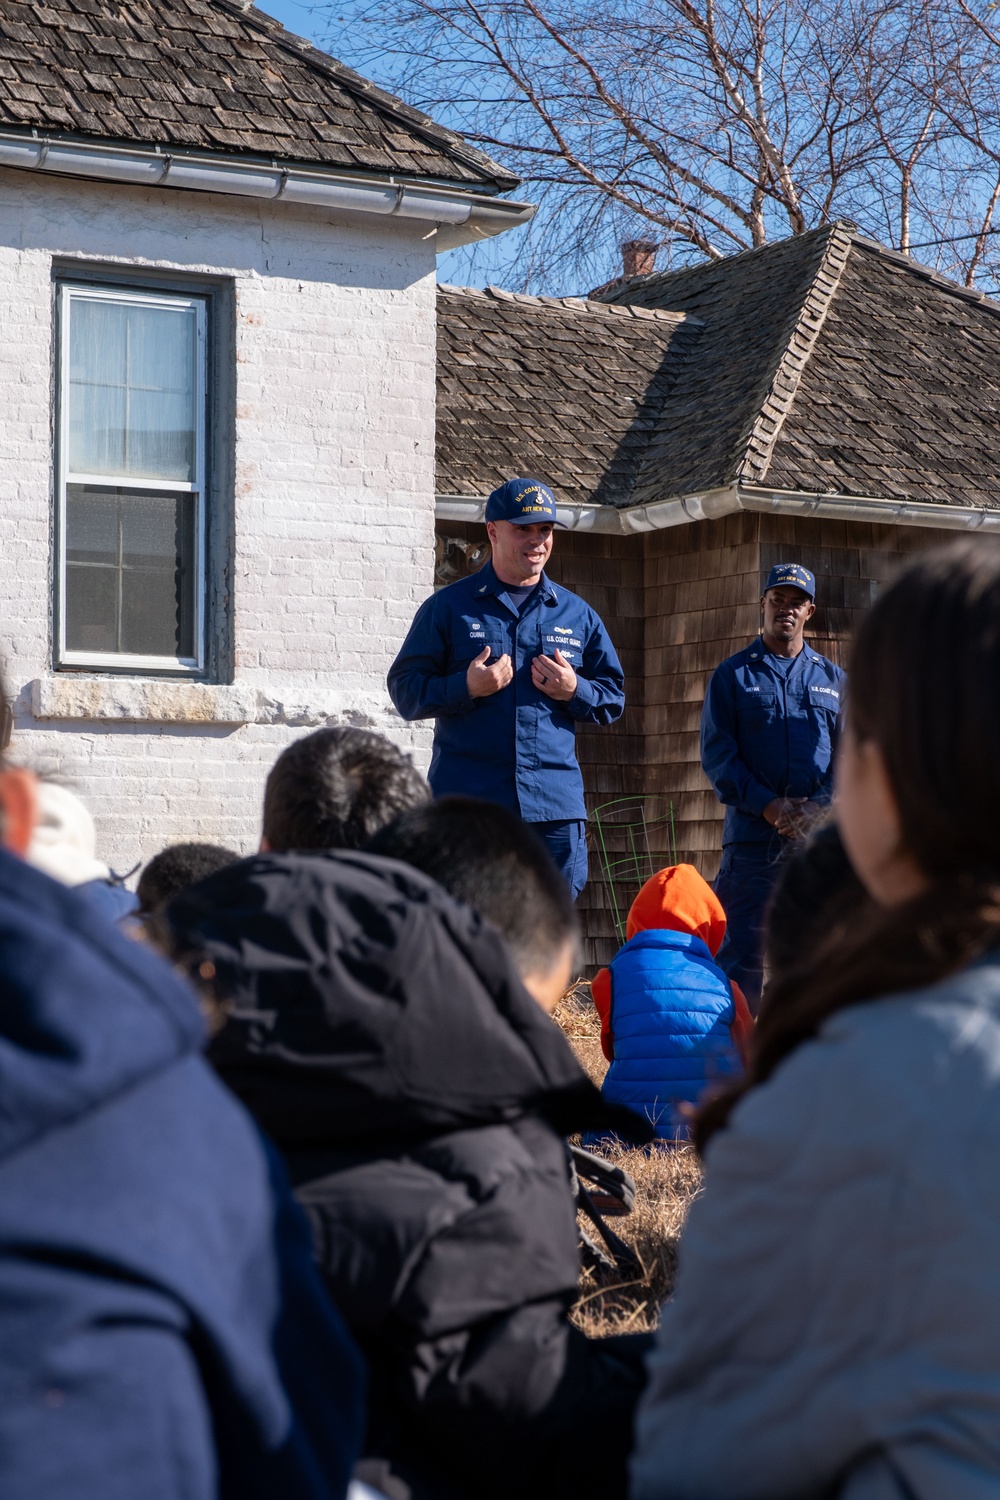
132 372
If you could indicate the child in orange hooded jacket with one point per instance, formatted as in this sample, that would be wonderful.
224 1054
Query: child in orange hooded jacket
672 1024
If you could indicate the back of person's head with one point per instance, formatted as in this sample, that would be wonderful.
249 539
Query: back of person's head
359 999
678 899
924 724
486 857
174 869
336 788
816 889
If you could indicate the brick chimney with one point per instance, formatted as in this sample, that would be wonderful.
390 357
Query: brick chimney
638 257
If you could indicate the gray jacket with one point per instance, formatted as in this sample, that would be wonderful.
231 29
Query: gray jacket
836 1326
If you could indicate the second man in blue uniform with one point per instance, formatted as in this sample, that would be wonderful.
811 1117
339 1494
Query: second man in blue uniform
507 663
768 734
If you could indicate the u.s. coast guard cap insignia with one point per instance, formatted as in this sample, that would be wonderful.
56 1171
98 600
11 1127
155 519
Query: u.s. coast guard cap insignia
794 574
525 502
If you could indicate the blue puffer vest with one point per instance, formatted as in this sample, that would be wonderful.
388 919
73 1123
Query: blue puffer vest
671 1012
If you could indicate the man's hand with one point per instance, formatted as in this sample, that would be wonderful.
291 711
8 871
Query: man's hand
792 816
554 677
482 680
806 814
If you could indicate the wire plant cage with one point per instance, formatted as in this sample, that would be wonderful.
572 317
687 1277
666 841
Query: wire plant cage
633 838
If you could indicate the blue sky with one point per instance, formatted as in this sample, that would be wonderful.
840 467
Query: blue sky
296 15
487 262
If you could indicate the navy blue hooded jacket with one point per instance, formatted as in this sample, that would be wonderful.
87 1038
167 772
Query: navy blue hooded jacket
162 1332
516 747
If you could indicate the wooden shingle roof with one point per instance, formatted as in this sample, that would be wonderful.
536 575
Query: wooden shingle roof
751 305
213 75
564 388
822 364
901 395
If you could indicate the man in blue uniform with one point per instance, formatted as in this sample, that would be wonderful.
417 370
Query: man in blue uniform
768 733
507 664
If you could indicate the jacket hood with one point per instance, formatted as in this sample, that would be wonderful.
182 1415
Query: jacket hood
86 1012
679 898
367 1005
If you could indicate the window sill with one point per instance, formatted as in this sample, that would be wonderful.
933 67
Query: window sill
137 700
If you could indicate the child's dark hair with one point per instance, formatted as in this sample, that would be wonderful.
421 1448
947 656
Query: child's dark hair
923 687
486 857
336 788
174 869
817 889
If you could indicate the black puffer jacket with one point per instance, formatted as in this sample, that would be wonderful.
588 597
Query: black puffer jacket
380 1035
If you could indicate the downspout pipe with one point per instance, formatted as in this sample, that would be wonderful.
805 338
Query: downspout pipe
712 505
463 216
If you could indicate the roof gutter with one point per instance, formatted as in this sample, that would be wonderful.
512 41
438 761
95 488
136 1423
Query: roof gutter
864 508
460 216
471 508
711 505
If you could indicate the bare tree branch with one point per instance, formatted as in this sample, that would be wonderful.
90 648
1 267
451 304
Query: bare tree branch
712 125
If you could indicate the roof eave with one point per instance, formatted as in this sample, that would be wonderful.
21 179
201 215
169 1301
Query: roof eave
371 94
713 504
461 213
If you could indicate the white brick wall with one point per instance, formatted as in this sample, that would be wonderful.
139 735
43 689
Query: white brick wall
334 449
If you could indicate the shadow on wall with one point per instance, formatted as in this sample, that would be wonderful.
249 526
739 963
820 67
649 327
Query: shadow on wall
208 234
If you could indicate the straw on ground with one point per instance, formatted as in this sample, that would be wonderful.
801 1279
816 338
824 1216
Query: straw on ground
666 1182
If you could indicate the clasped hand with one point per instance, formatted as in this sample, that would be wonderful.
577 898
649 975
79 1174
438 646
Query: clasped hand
485 677
792 816
552 675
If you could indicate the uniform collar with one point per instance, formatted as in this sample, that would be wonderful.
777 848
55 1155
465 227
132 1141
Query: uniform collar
487 582
758 652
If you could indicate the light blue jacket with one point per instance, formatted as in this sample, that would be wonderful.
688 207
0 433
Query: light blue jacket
836 1324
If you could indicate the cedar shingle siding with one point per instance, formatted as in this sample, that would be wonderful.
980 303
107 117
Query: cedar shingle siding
209 75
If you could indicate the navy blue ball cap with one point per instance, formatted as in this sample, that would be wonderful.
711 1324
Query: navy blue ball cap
524 502
794 574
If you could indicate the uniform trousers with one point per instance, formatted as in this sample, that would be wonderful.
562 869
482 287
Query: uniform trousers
744 884
567 845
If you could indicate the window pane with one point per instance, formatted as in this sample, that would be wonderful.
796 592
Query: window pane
133 389
130 582
92 526
157 575
92 609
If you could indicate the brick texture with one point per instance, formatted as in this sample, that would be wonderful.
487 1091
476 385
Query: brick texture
333 460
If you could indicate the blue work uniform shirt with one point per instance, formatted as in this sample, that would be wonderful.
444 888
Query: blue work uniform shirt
769 730
516 747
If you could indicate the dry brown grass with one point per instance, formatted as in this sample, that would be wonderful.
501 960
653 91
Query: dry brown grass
665 1181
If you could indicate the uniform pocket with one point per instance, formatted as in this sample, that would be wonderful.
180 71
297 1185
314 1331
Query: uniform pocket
564 639
474 633
756 711
826 699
